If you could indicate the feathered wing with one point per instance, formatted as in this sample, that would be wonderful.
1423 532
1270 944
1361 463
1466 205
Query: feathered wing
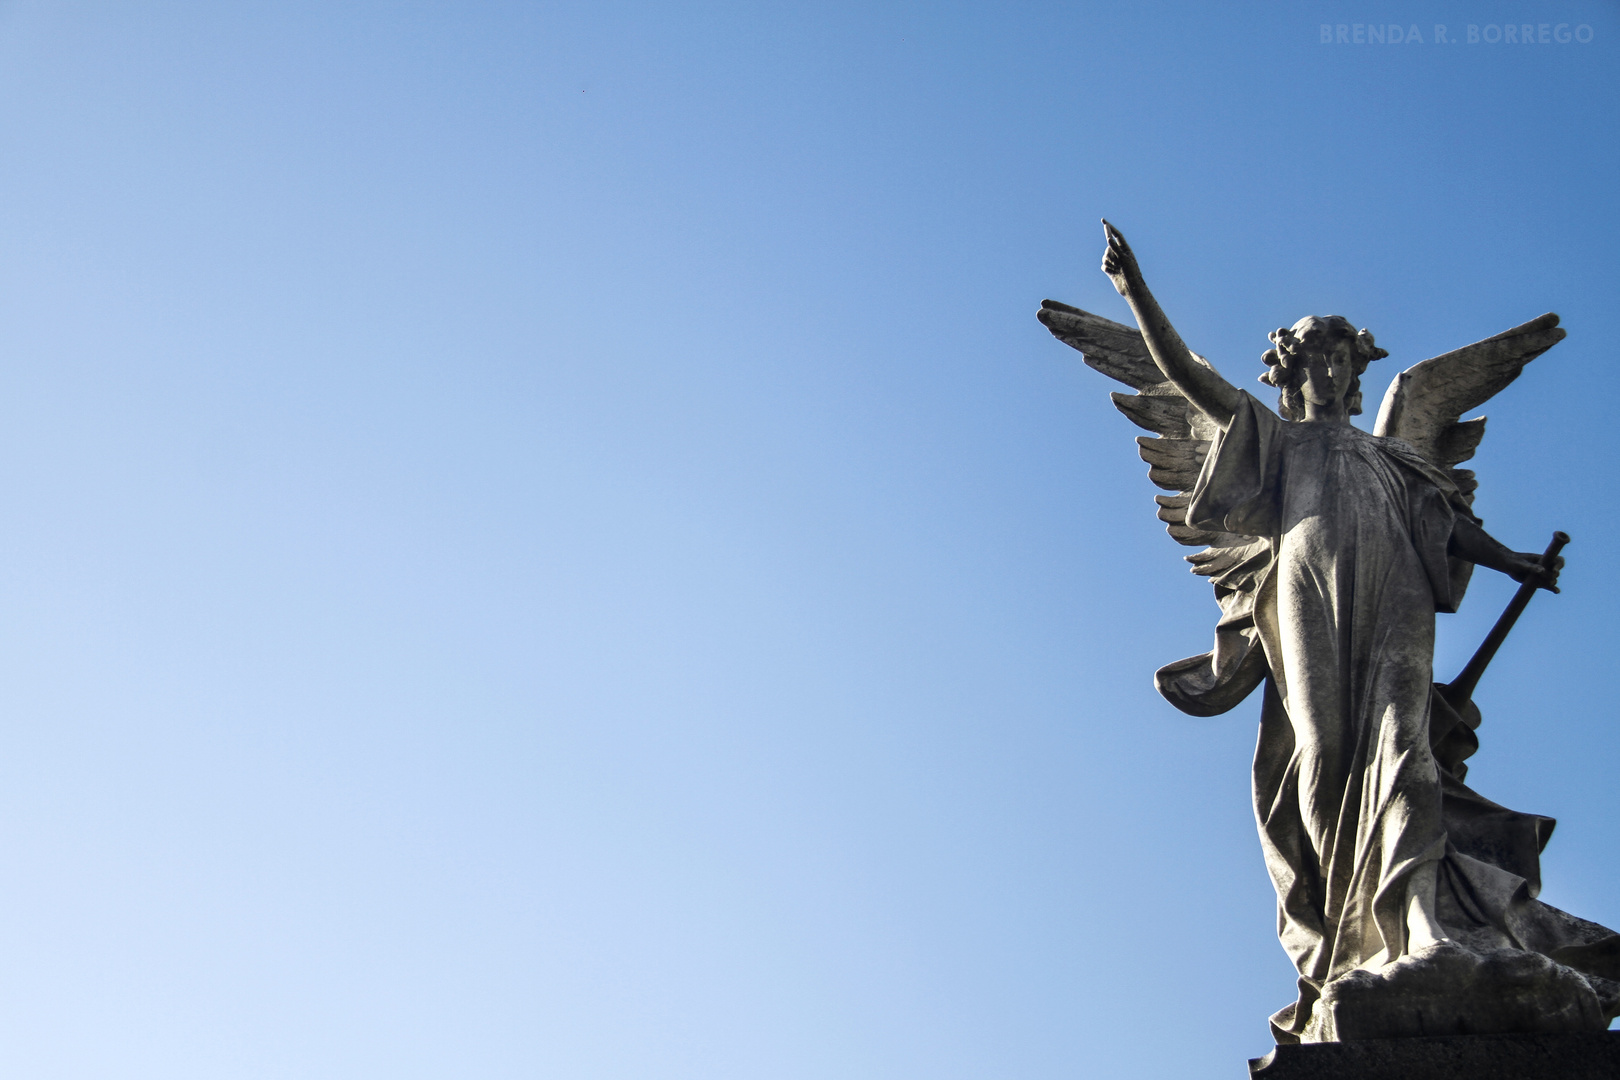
1235 564
1426 402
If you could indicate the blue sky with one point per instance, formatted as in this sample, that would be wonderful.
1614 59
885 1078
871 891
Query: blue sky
545 540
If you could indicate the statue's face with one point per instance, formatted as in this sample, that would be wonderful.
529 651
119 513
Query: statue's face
1328 375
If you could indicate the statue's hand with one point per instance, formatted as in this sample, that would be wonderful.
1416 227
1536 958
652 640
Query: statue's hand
1528 570
1119 262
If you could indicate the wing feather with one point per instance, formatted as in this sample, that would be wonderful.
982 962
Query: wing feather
1173 508
1458 442
1173 464
1161 413
1112 348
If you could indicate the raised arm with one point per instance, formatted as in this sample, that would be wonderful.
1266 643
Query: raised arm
1198 382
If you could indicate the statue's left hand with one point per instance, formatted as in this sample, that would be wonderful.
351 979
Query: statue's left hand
1528 570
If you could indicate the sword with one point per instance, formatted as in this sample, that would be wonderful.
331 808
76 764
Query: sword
1460 691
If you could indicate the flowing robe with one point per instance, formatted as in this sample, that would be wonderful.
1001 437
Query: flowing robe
1350 800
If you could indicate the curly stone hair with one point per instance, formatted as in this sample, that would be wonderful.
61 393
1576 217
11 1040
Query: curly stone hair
1285 367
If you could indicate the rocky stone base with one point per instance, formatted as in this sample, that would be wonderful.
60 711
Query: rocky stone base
1586 1056
1451 990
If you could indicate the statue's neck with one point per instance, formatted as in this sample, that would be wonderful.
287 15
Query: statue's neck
1336 413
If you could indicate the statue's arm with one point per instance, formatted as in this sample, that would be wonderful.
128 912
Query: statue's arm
1198 382
1470 541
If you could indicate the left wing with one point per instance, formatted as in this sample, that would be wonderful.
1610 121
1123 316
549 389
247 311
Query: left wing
1426 402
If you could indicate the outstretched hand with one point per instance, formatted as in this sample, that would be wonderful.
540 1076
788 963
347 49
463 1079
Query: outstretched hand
1531 571
1119 262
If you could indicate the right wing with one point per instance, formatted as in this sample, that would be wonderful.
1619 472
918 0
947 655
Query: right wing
1233 562
1184 433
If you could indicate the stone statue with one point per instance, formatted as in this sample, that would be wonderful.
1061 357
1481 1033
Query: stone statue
1406 900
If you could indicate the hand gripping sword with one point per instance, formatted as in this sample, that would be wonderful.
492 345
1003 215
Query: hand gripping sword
1459 691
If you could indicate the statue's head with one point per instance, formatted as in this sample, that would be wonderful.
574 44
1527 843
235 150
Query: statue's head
1309 354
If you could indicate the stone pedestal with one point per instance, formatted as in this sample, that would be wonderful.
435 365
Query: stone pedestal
1586 1056
1449 989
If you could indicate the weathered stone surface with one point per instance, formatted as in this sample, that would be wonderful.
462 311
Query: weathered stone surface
1450 990
1594 1056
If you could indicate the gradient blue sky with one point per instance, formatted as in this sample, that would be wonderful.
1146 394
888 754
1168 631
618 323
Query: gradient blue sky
545 540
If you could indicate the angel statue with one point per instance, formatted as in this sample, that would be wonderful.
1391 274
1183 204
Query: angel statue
1406 901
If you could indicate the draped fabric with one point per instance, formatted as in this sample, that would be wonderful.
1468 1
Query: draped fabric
1349 797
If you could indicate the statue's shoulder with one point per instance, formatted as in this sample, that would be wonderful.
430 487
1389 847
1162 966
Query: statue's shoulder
1414 461
1395 446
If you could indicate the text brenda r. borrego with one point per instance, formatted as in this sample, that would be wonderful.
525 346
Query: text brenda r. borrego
1472 34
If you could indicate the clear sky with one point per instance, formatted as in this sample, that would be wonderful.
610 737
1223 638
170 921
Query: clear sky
546 541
